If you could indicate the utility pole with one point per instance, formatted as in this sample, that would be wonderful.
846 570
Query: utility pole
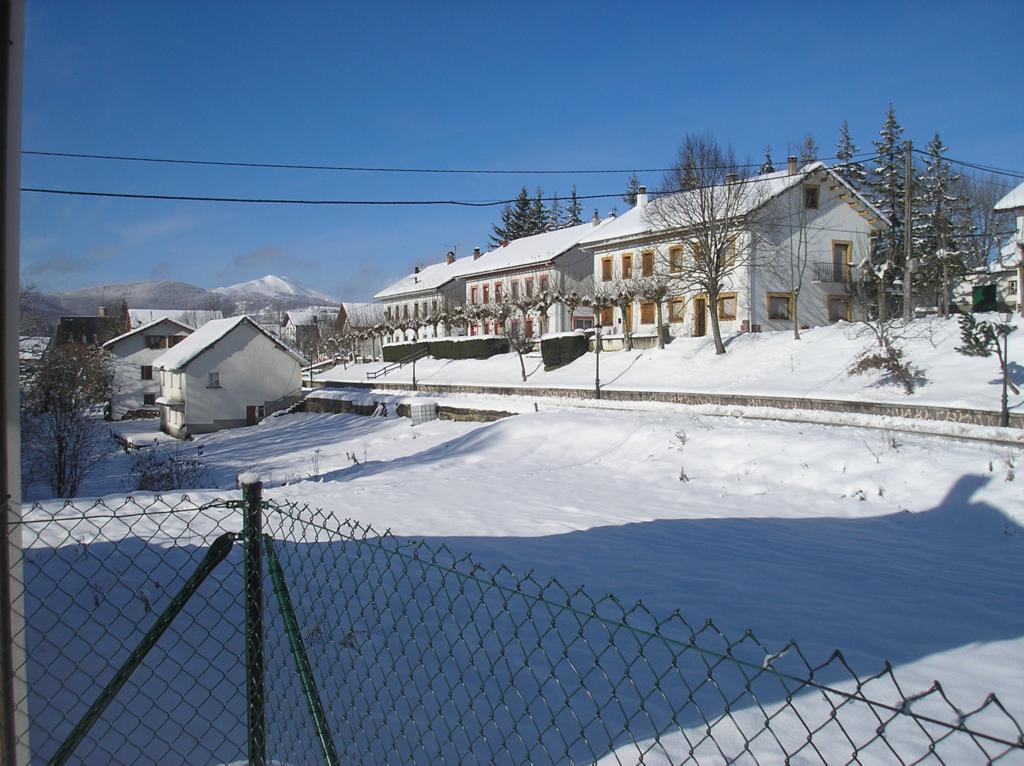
908 250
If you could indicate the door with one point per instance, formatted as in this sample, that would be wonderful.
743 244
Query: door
250 415
627 319
840 261
700 311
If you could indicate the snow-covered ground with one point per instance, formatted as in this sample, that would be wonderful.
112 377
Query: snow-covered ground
892 546
769 364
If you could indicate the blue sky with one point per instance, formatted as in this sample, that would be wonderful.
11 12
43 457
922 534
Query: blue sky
481 85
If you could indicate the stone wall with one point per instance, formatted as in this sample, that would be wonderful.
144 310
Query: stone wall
910 410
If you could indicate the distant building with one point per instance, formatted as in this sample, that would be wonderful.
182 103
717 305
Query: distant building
136 387
228 373
423 292
194 318
90 330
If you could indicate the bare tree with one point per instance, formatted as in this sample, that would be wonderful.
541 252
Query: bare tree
33 320
714 215
982 193
654 288
62 429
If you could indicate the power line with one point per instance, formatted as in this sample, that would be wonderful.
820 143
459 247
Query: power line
975 165
370 169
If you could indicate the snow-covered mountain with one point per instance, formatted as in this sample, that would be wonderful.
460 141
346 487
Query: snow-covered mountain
276 288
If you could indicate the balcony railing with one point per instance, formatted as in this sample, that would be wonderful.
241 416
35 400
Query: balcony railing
828 271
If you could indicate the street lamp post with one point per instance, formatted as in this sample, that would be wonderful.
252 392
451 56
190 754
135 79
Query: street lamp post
1004 412
597 361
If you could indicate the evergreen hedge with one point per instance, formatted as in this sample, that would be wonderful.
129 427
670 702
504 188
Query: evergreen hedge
563 349
475 348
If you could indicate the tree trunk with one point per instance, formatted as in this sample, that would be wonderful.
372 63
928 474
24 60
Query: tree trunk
716 330
661 334
796 315
883 310
522 365
945 291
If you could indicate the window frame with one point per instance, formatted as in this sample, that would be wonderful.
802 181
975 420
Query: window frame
213 379
722 297
647 263
776 296
812 192
843 298
680 315
607 269
649 309
675 264
627 270
147 372
608 312
149 400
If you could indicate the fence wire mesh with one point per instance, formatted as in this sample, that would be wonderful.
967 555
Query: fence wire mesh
378 649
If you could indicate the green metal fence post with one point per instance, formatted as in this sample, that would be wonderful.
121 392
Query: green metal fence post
298 647
218 552
252 533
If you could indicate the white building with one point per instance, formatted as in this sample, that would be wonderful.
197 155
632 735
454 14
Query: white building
809 211
136 387
530 265
228 373
1011 254
423 292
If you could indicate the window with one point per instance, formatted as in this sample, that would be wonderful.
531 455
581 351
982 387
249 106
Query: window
174 340
676 307
487 293
727 306
433 306
780 306
607 317
529 328
529 287
811 197
675 259
515 289
1011 286
647 312
149 398
147 372
497 292
545 282
487 328
729 252
606 269
472 329
838 308
387 312
213 380
405 311
472 295
156 341
582 323
647 264
415 309
627 265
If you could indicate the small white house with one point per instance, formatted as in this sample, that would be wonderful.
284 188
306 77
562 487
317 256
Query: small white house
228 373
136 388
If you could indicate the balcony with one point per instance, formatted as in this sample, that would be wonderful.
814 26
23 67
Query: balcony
828 271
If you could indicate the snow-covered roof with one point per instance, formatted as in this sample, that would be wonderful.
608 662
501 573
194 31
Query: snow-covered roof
534 250
1009 254
310 314
191 317
180 356
1012 201
642 220
179 327
427 278
32 346
361 314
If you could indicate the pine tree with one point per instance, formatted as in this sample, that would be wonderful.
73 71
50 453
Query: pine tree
516 219
850 171
767 166
942 223
538 219
809 151
575 209
632 187
500 233
556 215
887 183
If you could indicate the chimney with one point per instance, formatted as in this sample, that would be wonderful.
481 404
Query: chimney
416 270
791 164
451 257
101 311
731 178
641 196
596 219
477 253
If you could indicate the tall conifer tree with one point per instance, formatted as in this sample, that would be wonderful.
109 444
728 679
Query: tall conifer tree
847 168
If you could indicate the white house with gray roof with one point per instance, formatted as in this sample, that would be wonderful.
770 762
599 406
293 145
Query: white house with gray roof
228 373
425 290
134 353
524 267
1011 253
810 208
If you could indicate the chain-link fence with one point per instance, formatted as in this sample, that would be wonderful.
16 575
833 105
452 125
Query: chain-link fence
303 638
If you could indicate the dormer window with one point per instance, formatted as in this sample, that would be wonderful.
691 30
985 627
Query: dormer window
811 197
